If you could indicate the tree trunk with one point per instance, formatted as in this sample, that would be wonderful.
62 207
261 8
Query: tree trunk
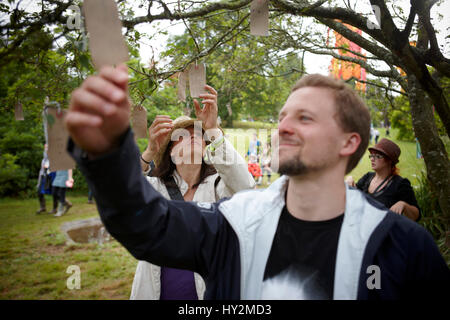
433 150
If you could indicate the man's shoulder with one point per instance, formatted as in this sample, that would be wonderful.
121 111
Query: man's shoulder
253 204
402 233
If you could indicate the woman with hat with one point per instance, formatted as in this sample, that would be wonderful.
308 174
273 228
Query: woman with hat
177 149
385 185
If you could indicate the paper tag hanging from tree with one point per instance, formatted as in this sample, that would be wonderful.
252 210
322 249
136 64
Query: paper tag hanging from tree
259 17
18 111
57 141
139 122
106 42
197 79
182 79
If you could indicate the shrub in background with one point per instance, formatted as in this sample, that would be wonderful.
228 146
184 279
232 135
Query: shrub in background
432 217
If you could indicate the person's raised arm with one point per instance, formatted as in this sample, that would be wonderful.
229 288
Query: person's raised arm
173 233
231 167
159 129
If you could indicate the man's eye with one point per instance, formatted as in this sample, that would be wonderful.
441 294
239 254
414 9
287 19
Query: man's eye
305 118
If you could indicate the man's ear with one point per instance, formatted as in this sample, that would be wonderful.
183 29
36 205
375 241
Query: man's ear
350 144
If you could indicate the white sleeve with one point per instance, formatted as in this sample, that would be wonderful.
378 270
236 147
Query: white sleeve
142 288
231 167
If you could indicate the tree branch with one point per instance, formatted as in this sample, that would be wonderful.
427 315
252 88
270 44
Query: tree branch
223 5
409 24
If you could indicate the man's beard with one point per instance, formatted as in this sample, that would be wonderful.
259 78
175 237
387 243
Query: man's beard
293 167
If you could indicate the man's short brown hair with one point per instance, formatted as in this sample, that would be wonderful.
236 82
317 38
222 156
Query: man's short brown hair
352 115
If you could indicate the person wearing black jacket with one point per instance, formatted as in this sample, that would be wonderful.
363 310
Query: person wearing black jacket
308 236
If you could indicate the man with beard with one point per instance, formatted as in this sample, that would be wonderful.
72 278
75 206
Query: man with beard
307 236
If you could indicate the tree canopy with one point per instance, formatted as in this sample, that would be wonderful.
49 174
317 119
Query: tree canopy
253 74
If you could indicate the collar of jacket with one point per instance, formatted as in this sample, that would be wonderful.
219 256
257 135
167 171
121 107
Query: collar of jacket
254 216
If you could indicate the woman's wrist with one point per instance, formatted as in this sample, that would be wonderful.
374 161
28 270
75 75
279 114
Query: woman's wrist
147 156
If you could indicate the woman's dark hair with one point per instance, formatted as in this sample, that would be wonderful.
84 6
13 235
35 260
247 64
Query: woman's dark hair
165 170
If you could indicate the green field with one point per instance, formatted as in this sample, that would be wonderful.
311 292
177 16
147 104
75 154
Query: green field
34 257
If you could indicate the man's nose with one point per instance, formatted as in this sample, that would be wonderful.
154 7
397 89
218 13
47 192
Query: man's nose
285 127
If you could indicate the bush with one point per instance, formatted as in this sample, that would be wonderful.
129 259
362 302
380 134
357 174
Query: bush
12 177
403 123
79 183
432 216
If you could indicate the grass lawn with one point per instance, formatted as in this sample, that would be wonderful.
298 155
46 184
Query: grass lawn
34 257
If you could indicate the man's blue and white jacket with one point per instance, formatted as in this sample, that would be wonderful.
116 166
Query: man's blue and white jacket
228 243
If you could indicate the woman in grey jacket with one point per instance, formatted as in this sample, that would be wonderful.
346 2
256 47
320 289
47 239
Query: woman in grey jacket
181 173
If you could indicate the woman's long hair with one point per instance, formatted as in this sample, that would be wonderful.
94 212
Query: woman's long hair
394 170
165 169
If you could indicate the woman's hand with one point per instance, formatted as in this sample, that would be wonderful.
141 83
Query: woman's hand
158 131
404 208
349 180
399 207
69 183
208 115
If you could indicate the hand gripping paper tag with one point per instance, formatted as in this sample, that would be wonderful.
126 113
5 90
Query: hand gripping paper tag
106 41
182 79
259 17
57 141
197 79
18 111
139 122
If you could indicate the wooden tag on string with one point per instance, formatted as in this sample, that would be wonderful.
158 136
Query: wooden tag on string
57 141
197 79
139 122
106 42
259 17
182 79
18 111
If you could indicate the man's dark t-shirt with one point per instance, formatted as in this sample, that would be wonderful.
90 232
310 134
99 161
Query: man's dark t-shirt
302 259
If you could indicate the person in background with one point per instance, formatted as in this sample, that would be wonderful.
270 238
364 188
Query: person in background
254 147
255 169
376 134
385 185
208 181
266 161
62 181
44 184
90 200
418 150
